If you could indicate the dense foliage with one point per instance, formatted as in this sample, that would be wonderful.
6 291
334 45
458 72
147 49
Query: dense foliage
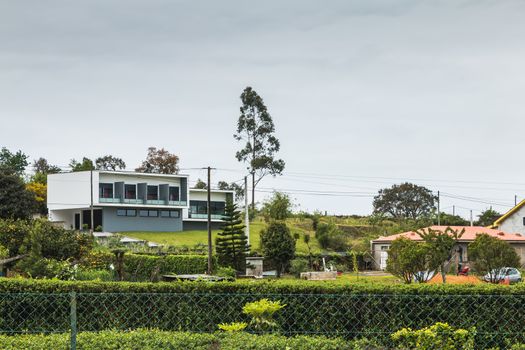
438 336
278 245
407 259
489 254
278 207
405 201
155 339
159 161
16 202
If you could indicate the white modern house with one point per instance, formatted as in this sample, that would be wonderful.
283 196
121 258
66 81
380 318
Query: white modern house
129 201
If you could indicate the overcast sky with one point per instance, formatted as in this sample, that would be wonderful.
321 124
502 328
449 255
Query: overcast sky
363 94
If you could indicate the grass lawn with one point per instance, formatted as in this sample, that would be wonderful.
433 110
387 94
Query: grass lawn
191 238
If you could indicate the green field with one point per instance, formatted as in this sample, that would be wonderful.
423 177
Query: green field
191 238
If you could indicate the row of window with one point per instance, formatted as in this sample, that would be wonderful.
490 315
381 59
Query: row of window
149 213
105 190
201 207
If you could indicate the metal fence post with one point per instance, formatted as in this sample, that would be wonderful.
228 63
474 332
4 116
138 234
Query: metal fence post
73 319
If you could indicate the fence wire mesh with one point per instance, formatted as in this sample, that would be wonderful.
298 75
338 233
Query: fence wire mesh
499 319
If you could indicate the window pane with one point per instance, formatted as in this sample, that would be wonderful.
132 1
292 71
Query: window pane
105 190
153 213
174 194
153 192
174 213
165 214
143 213
131 212
121 212
130 191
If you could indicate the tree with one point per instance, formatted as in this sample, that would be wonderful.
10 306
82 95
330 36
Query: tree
489 254
278 244
255 127
86 164
39 191
200 185
109 163
159 161
279 207
487 217
442 245
236 188
13 162
330 237
452 220
231 244
15 201
41 165
407 259
405 201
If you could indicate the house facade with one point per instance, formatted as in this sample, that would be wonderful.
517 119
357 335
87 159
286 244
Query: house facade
513 220
381 245
128 201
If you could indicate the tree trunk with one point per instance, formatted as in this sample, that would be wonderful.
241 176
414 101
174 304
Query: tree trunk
253 190
443 275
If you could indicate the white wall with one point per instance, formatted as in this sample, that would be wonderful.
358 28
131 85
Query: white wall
65 216
514 224
70 190
203 196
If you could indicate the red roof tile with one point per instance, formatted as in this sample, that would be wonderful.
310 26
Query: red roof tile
469 235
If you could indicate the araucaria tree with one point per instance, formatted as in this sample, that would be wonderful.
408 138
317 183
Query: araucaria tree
159 161
231 244
255 127
278 244
405 201
490 254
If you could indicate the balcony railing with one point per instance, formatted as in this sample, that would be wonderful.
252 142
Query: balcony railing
141 201
205 216
132 201
109 200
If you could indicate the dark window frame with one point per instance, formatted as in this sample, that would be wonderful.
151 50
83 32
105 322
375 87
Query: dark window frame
102 186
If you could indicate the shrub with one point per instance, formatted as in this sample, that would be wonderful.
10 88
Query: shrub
297 266
330 237
262 312
407 258
84 274
155 339
13 233
227 271
438 336
232 327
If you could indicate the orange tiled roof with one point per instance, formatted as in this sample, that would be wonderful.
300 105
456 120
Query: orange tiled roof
469 235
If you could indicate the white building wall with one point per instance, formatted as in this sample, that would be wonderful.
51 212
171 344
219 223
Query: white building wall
67 217
70 190
135 179
514 223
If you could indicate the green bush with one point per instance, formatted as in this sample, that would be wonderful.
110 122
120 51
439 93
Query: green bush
84 274
144 267
13 233
226 271
438 336
154 339
297 266
330 237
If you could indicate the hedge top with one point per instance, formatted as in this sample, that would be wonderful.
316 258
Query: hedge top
19 285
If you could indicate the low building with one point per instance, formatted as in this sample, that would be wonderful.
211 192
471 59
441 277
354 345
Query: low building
381 245
129 201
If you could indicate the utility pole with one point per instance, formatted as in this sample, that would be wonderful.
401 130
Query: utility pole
471 218
246 210
515 200
453 210
91 204
210 267
439 214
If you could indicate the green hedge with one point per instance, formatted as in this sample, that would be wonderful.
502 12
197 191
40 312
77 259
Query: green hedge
142 267
352 311
154 339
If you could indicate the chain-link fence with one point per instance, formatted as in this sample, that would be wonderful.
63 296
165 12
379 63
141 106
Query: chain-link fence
499 319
